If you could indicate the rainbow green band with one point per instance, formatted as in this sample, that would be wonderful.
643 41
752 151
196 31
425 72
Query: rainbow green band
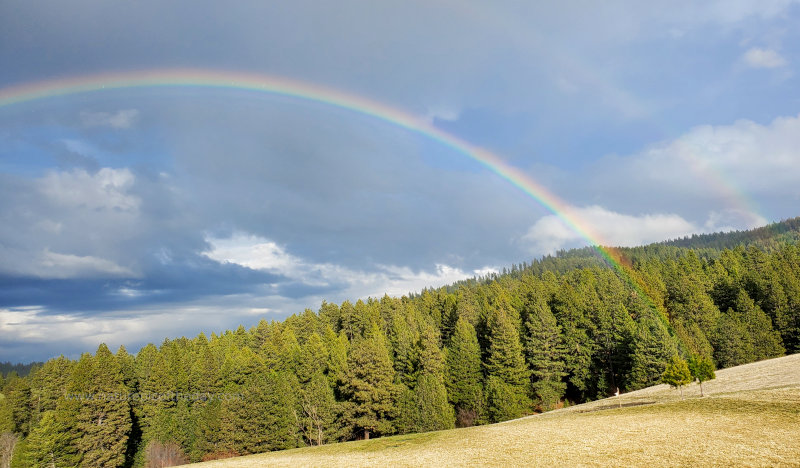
315 93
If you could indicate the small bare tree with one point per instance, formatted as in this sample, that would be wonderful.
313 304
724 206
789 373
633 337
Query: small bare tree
8 441
161 455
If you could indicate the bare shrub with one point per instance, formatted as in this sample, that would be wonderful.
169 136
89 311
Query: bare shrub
7 443
466 417
160 455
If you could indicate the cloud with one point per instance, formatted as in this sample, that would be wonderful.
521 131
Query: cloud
106 189
57 265
733 220
763 58
120 119
744 167
258 253
550 233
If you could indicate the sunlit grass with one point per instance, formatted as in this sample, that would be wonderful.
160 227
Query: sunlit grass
750 416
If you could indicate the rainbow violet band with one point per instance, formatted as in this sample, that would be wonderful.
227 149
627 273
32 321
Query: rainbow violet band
315 93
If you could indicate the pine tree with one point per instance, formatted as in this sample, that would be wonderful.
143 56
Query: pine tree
317 406
545 351
702 369
6 415
257 411
507 374
318 411
653 348
432 410
677 374
733 344
49 384
766 341
17 392
368 386
569 304
463 375
404 340
99 422
338 347
49 444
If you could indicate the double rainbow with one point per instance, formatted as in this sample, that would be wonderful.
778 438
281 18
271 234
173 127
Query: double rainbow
314 93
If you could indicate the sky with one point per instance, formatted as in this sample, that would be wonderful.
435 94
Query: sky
131 215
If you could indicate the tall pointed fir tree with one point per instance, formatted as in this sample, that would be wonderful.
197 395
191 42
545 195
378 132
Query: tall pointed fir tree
463 375
316 415
257 408
429 409
49 444
99 420
545 351
653 347
368 386
766 341
507 374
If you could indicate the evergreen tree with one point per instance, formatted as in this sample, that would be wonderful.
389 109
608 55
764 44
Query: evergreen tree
6 415
507 374
653 348
49 444
702 369
733 344
257 411
99 420
545 351
19 458
368 386
318 411
338 347
569 304
766 341
433 412
49 384
677 374
463 377
404 343
430 410
17 392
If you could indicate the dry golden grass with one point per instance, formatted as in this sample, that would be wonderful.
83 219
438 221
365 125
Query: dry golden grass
749 417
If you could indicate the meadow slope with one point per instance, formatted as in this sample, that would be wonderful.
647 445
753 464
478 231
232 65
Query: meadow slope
750 416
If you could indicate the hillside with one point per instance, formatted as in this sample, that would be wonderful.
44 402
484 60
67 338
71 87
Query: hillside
560 331
749 416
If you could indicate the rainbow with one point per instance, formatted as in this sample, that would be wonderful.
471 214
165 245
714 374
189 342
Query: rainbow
331 97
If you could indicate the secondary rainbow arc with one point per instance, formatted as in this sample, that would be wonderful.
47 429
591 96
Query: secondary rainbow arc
315 93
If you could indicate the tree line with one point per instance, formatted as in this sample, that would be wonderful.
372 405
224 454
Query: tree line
482 351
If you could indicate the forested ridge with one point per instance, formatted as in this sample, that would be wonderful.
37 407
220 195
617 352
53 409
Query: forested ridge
567 328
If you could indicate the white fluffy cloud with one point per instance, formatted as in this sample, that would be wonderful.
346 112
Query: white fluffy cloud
763 58
262 254
550 233
107 189
746 167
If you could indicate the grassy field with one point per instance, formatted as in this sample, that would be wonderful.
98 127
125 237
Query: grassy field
750 416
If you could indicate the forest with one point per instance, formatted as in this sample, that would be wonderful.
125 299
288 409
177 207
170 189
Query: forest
557 331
